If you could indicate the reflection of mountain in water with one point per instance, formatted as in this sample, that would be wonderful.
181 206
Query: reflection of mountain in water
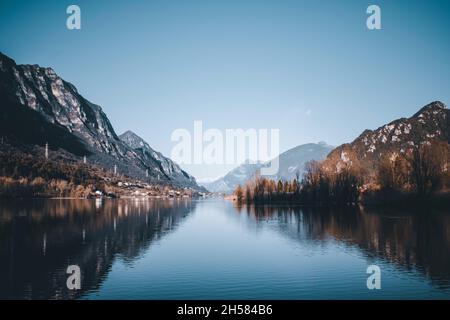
40 239
410 241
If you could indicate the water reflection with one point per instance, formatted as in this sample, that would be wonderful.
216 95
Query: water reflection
39 239
410 240
214 252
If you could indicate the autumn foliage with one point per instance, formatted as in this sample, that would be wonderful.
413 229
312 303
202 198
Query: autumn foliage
421 171
23 174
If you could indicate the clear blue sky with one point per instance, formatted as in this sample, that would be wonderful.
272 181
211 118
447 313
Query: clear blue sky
155 66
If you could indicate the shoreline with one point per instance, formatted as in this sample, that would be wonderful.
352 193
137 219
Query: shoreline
100 198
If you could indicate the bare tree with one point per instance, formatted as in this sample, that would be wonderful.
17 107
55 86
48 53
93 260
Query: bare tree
429 166
239 193
393 172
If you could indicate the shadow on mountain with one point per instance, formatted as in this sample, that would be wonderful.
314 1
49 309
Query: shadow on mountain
34 130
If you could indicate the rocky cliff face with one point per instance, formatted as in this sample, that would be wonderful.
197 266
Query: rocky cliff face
59 102
53 111
160 165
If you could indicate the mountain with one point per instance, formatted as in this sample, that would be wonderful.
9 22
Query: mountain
232 179
432 122
39 107
160 165
291 164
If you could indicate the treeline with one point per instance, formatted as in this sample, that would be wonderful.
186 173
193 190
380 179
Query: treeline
38 187
23 174
317 187
424 171
421 172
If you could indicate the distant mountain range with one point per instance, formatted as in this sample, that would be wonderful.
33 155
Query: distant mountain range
432 122
291 165
39 107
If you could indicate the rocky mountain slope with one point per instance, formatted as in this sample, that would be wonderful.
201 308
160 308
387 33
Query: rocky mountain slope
432 122
39 107
291 164
161 167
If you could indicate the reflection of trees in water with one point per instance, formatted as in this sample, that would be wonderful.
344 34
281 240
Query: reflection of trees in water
410 240
39 239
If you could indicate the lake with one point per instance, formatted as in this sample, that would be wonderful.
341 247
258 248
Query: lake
212 249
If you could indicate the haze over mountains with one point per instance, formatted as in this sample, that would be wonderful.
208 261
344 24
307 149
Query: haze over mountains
39 107
291 166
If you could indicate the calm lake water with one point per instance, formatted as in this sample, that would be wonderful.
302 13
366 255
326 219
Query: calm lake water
210 249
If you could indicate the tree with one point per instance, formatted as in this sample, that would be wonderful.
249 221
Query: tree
248 193
280 186
393 172
429 164
239 193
